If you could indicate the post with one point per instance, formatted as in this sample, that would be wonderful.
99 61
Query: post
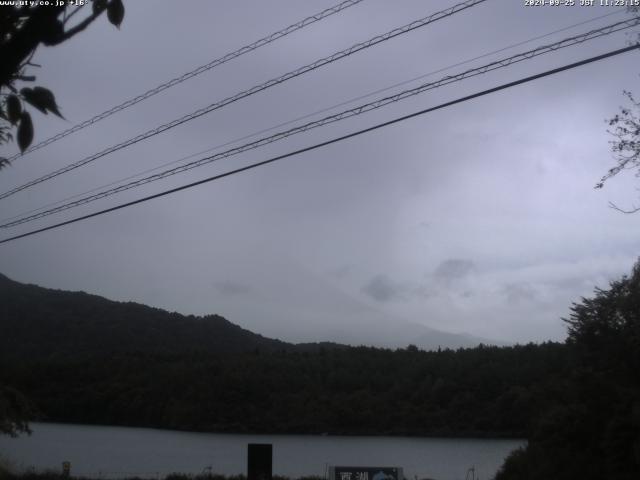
259 461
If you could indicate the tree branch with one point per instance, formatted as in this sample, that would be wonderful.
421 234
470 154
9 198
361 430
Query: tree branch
68 17
79 27
634 209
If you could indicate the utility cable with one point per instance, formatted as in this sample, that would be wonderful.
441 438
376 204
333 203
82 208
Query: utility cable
258 88
197 71
309 115
332 141
597 33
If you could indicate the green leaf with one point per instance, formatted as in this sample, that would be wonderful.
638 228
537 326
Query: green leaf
25 131
48 100
41 98
29 97
98 6
14 109
115 12
52 31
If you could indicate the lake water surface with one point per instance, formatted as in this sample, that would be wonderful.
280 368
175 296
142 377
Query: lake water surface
112 452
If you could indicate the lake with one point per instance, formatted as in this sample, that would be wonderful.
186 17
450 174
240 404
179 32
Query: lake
112 452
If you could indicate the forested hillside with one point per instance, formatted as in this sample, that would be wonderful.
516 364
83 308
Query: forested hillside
486 391
38 322
82 358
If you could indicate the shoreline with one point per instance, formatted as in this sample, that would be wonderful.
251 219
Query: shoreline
435 436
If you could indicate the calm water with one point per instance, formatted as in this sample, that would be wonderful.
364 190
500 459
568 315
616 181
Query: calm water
117 451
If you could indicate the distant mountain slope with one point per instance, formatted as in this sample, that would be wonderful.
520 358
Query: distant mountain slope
322 311
358 324
38 322
401 333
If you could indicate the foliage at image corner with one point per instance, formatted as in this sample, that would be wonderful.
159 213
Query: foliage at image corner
624 127
6 469
15 412
23 28
592 430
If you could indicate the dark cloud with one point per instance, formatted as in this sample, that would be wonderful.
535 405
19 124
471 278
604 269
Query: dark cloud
382 289
423 292
454 269
519 292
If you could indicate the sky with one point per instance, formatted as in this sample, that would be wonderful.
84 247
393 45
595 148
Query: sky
479 218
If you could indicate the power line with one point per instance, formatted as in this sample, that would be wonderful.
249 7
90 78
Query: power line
317 112
197 71
258 88
340 116
590 35
332 141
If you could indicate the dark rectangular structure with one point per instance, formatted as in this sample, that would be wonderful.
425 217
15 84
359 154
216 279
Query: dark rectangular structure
259 461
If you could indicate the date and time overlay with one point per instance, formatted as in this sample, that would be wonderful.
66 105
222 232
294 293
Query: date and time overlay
527 3
582 3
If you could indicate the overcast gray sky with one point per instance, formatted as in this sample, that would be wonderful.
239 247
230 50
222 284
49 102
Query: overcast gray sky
479 218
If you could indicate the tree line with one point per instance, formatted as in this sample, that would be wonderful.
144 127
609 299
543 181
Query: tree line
485 391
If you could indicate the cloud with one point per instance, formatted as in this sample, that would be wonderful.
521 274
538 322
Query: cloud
519 293
341 272
454 269
232 288
383 289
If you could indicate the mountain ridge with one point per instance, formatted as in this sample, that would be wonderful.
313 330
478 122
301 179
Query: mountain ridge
43 322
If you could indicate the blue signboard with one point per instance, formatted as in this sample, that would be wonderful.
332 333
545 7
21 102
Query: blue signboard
366 473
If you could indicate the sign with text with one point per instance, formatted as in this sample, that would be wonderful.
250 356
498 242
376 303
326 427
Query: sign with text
365 473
